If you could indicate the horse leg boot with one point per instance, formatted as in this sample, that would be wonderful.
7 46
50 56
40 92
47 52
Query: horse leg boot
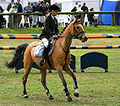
44 55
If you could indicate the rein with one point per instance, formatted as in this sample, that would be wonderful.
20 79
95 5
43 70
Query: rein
74 37
66 52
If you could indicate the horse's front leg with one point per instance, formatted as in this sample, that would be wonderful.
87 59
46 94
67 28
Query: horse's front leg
68 71
59 70
43 81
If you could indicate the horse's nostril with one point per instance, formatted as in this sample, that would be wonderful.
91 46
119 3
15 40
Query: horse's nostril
86 38
83 39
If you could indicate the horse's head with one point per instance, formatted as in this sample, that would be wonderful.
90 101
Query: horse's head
78 31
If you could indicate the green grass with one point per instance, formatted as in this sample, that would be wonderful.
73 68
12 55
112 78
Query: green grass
103 30
96 87
98 30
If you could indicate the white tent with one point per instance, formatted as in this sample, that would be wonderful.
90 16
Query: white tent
67 5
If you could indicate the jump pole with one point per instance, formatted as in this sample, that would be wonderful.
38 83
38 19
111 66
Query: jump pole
7 48
89 35
19 37
36 37
19 34
72 47
95 47
107 36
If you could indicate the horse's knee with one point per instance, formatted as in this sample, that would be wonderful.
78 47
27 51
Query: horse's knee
42 81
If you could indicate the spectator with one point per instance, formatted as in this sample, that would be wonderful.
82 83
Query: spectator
35 7
85 9
18 17
1 9
42 7
78 10
14 9
10 5
1 17
11 8
27 9
42 10
35 17
73 10
92 19
47 7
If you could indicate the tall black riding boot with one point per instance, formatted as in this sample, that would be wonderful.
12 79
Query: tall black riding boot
44 55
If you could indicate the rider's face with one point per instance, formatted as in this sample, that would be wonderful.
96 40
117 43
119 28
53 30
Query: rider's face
55 12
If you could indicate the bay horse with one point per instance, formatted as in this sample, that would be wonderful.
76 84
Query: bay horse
59 59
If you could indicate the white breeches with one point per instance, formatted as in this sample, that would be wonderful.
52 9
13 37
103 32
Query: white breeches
45 42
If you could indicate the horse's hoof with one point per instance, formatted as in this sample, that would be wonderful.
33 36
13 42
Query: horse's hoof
25 96
69 99
76 94
51 97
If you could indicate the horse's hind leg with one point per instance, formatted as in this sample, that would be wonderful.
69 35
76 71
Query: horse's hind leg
68 71
43 81
27 66
26 73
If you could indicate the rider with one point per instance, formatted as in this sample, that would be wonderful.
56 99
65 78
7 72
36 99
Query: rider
50 29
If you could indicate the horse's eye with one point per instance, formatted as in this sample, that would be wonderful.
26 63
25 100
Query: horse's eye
77 27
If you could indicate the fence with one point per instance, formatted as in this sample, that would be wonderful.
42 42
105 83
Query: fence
11 15
92 36
35 36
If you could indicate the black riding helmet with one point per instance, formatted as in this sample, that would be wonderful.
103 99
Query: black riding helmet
54 7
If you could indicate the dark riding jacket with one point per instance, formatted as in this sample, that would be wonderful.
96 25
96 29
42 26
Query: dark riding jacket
50 27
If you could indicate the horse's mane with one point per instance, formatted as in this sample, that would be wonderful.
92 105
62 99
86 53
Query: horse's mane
65 28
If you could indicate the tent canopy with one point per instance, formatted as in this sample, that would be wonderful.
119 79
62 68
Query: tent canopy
109 5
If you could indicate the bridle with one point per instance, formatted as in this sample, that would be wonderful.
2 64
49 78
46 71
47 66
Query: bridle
76 33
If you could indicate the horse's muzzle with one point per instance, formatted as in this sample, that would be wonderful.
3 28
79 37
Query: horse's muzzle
84 39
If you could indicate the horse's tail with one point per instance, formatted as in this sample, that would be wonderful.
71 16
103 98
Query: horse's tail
19 52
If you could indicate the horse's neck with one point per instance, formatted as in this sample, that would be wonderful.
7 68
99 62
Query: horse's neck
66 41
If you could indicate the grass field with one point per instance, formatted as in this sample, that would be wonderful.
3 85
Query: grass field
96 87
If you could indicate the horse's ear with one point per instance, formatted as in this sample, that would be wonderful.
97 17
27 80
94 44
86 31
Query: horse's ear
77 20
